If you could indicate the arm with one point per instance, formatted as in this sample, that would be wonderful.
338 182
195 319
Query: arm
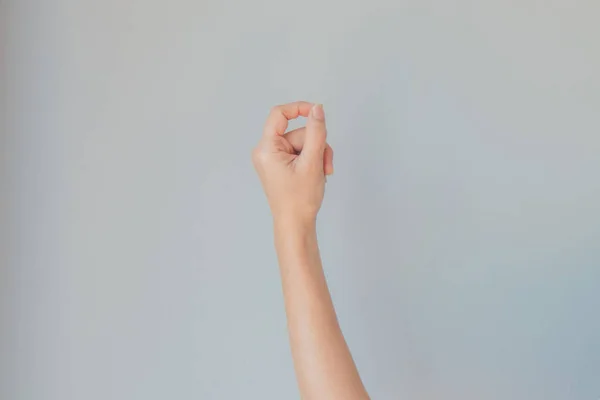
324 366
292 167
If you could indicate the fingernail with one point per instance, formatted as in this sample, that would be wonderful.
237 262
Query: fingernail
317 112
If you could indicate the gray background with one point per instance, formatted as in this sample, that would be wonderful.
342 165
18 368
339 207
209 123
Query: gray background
460 233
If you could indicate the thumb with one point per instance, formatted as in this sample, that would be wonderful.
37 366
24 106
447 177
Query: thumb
316 135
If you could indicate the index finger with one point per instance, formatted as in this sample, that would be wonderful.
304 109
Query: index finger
277 121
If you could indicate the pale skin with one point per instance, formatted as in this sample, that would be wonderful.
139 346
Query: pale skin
293 167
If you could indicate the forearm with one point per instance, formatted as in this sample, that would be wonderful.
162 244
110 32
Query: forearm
322 360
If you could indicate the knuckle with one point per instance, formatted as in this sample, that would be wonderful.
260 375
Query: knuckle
259 156
255 155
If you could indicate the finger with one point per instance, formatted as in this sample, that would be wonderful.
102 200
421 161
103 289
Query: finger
328 160
316 134
277 121
296 138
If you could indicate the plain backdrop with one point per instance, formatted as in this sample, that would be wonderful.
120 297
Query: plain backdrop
460 233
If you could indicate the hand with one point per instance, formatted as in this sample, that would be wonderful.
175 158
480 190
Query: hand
292 166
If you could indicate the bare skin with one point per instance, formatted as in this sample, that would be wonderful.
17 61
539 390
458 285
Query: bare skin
292 167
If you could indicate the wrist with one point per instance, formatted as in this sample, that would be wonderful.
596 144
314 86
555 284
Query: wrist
293 223
296 242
